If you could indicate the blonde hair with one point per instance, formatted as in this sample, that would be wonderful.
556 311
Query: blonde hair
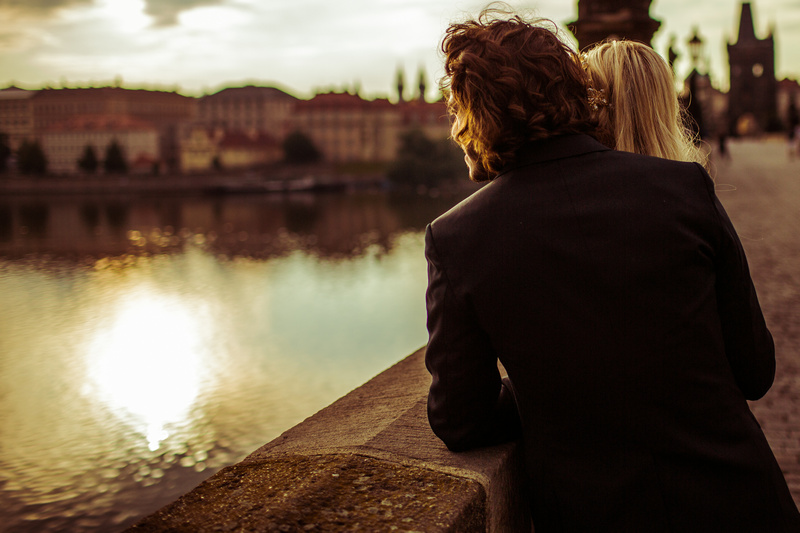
634 98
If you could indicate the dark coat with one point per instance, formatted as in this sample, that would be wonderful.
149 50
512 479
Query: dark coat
615 292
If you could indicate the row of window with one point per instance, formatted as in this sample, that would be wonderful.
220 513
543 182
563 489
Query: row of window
70 108
99 107
55 149
15 106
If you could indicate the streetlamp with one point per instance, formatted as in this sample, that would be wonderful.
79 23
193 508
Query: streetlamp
695 48
694 108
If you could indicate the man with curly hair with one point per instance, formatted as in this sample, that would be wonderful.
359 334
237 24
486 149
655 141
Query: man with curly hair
615 292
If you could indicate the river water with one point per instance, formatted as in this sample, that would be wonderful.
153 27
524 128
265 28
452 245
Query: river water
146 343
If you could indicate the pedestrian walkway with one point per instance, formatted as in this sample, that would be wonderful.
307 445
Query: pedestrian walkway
759 185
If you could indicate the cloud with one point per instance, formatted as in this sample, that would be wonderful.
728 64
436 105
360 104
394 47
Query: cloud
42 7
165 12
18 40
304 44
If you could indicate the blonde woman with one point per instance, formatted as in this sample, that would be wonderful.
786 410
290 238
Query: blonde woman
632 92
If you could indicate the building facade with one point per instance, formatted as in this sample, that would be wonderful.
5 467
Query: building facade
248 109
199 149
65 143
247 150
235 128
16 115
346 128
753 88
166 111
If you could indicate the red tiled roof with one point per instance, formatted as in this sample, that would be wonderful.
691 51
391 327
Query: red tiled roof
251 91
332 100
95 92
15 93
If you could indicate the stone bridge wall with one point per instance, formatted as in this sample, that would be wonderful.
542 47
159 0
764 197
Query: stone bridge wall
368 462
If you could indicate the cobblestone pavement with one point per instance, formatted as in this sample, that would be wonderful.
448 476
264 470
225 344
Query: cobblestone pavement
760 188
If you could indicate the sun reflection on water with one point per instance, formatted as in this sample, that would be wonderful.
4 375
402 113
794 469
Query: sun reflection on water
147 365
128 380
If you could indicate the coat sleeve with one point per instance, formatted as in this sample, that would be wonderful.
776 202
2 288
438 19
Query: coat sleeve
748 343
469 405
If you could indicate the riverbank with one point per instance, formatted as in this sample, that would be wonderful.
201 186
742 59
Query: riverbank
189 184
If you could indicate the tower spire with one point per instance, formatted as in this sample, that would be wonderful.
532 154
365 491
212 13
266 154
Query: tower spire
746 28
400 84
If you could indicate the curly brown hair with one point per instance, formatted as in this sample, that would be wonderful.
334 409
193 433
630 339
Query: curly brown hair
510 82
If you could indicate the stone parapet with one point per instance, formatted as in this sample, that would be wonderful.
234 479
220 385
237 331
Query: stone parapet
367 462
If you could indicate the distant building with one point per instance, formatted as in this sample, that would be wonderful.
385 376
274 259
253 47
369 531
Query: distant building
205 149
235 128
248 109
199 149
752 95
163 110
16 115
347 128
431 118
240 150
64 143
613 19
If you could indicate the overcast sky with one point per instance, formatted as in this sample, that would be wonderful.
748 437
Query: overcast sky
304 46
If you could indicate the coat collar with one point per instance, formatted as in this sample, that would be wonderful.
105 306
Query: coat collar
553 148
